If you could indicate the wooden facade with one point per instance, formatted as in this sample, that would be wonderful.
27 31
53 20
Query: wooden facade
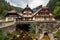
43 14
11 15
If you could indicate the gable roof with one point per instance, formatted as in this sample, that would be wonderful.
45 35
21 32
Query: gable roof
27 8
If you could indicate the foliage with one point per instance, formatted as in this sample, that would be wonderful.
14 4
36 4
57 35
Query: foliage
9 36
55 35
52 4
57 10
5 36
37 8
32 28
2 35
4 7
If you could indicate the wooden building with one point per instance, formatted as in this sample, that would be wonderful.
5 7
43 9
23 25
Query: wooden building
11 15
27 14
42 14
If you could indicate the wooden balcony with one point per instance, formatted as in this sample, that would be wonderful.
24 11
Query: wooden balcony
22 22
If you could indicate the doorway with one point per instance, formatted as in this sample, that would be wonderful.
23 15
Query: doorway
24 27
46 37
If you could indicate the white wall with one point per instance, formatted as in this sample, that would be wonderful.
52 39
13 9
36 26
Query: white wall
9 19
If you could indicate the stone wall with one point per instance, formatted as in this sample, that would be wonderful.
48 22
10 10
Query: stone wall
9 28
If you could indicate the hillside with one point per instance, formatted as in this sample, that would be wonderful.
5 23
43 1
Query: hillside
54 5
4 7
37 8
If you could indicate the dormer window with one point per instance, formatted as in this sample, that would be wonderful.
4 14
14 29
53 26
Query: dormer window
24 11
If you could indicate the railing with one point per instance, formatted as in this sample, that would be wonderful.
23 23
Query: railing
5 24
35 21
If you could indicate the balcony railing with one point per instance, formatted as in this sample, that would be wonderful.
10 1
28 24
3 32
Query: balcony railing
45 21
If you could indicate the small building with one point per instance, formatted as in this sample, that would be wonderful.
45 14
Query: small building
11 15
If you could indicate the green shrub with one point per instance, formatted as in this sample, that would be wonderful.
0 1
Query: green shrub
32 28
55 35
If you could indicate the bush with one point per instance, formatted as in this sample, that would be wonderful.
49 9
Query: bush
32 28
55 35
2 35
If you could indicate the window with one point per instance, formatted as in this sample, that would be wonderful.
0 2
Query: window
30 12
50 14
24 12
47 18
33 18
53 19
41 19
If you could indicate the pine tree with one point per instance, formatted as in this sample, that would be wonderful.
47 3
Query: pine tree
57 10
52 4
